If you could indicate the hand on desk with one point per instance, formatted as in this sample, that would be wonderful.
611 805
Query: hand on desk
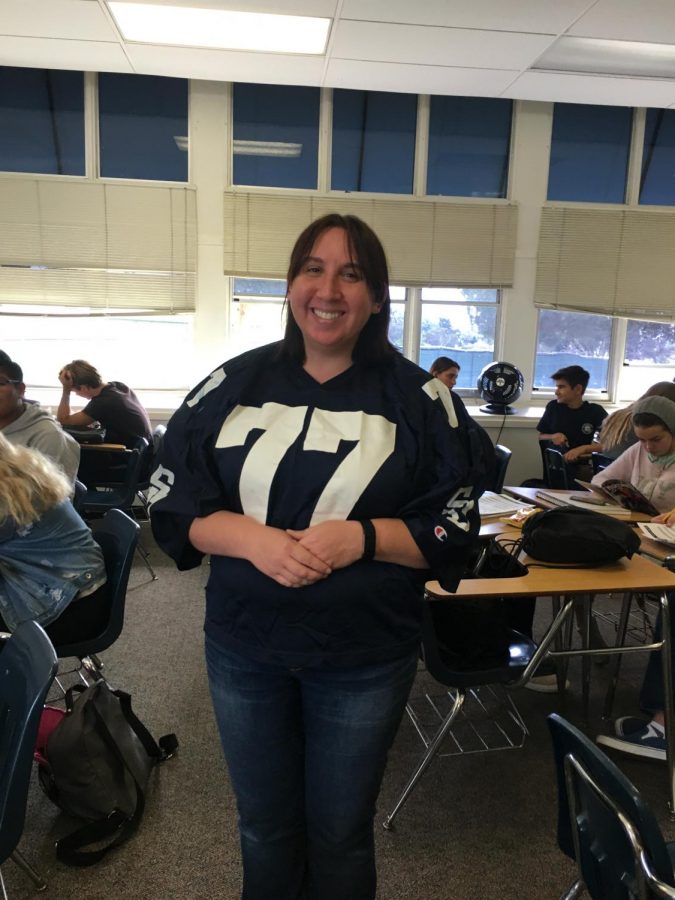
666 518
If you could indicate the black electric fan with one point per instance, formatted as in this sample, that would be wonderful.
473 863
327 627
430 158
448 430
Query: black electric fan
500 384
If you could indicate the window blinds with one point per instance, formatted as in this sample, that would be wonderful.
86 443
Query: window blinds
614 262
98 245
427 242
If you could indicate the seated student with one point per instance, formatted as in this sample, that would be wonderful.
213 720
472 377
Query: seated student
650 466
446 370
616 432
48 556
25 423
113 404
570 421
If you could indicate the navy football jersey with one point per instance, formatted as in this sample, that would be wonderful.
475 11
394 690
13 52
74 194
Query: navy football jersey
261 437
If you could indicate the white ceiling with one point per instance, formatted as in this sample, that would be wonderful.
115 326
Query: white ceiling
480 48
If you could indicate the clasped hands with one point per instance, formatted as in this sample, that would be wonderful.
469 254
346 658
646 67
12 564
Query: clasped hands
300 558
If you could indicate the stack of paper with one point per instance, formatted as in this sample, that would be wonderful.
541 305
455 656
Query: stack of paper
663 533
491 504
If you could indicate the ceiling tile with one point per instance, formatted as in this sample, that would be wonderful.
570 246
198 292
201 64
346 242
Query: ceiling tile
78 19
593 89
437 46
544 16
86 56
353 74
627 20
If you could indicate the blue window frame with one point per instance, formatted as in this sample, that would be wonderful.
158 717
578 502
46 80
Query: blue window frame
373 141
276 135
41 121
657 185
469 142
589 153
140 117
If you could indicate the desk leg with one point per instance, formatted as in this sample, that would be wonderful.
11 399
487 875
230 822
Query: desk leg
667 664
622 629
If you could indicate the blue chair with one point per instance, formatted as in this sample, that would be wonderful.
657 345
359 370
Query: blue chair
600 461
559 473
117 536
27 666
605 825
502 458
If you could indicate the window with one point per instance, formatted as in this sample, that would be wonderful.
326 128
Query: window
649 356
143 127
397 316
41 121
373 141
460 323
468 147
589 153
258 313
123 348
276 135
572 339
657 185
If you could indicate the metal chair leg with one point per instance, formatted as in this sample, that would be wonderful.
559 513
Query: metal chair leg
426 759
25 866
145 556
574 890
616 663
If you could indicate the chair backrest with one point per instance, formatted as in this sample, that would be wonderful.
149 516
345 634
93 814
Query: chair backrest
593 797
79 493
117 535
122 493
27 667
558 474
600 461
502 457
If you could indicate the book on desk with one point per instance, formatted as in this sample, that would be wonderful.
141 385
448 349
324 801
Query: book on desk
575 498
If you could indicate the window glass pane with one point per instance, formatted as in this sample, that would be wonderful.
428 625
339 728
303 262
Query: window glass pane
459 323
41 121
589 153
649 356
119 346
258 313
572 339
468 146
396 316
658 158
142 121
276 135
373 141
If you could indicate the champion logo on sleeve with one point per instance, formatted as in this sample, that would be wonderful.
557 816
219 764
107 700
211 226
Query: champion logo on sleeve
440 533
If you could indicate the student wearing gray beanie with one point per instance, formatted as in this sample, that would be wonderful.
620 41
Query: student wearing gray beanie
650 466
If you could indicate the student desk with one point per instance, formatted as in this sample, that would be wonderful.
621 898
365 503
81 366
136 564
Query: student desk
636 575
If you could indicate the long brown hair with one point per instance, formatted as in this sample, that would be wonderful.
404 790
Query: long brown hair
365 248
618 427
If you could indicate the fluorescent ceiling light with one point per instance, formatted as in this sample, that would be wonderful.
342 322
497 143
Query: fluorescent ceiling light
601 57
252 148
152 23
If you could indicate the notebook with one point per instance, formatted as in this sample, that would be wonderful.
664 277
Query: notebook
491 504
663 533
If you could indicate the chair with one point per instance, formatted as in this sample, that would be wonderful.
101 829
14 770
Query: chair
559 474
28 667
502 457
605 825
104 496
117 536
148 466
80 490
464 678
600 461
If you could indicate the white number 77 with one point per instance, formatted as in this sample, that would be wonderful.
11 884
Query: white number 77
374 436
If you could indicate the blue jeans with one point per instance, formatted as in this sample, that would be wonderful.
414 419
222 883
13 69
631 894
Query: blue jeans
306 751
651 696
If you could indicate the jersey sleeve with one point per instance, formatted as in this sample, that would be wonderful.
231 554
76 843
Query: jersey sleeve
185 485
444 521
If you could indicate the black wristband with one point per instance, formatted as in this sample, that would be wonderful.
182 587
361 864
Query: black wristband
368 539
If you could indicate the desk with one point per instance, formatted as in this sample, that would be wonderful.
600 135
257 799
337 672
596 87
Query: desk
635 575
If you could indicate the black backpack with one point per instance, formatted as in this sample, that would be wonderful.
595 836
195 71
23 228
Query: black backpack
581 536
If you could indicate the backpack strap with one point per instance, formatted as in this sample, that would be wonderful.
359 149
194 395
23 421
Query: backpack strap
160 750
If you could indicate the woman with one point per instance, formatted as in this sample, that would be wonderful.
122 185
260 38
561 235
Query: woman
616 432
650 466
324 477
48 557
446 370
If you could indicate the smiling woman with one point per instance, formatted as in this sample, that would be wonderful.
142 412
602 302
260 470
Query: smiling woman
325 474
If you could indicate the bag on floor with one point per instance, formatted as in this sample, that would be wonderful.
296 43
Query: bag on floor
94 763
579 536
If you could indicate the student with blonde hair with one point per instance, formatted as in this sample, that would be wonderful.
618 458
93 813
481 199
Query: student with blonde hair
48 556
